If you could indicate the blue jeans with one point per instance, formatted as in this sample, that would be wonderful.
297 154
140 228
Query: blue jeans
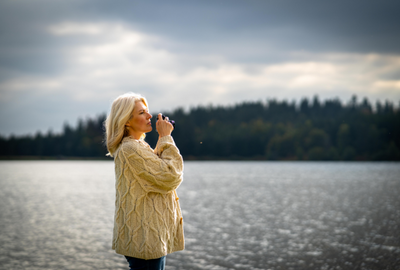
140 264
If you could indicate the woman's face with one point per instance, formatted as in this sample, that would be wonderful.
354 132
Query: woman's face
140 121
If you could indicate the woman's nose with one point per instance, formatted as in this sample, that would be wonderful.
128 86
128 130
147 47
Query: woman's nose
150 116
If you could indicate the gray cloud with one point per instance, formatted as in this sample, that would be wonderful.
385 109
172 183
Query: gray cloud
308 25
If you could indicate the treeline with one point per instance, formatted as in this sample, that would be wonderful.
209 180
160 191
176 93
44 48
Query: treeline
271 130
84 141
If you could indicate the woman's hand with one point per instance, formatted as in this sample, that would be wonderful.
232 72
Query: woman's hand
164 128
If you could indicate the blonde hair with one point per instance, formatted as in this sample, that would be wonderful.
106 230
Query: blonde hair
121 111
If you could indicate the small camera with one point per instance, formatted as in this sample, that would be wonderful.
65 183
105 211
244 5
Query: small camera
171 121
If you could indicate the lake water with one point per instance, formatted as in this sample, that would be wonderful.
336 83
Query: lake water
238 215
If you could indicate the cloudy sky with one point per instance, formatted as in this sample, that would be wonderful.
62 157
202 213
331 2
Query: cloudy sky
63 60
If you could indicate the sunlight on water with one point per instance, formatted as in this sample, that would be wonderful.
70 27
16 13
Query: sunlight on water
238 215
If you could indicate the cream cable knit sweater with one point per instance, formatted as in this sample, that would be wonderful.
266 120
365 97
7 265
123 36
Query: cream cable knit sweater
148 221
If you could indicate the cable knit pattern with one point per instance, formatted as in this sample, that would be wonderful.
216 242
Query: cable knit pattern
148 221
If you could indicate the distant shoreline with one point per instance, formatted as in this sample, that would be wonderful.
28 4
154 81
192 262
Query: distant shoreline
186 158
52 158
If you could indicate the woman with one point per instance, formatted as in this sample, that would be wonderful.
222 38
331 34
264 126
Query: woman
148 222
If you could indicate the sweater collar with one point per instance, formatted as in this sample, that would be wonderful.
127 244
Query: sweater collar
128 138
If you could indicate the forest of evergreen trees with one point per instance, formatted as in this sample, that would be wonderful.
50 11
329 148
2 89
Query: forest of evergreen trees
271 130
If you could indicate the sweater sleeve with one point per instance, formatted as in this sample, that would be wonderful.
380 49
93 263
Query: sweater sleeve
160 171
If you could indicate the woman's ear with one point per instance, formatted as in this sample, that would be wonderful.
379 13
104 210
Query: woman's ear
128 124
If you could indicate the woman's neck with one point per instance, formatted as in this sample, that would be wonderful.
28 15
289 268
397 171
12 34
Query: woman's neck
135 135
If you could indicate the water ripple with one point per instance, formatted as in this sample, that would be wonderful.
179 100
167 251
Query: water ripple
238 215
